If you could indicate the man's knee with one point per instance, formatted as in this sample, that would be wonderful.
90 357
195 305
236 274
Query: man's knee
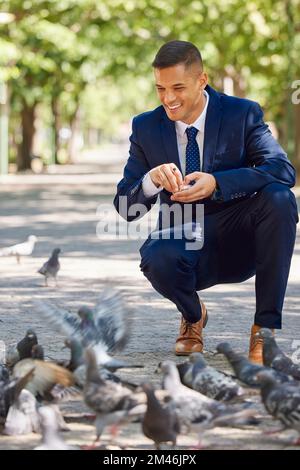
279 197
158 257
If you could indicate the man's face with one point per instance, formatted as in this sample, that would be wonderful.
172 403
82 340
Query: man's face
180 91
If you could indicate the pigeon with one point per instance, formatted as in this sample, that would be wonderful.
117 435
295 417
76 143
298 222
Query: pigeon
46 375
195 410
78 367
22 417
10 391
112 403
51 267
211 382
26 344
282 401
274 357
24 349
105 328
4 374
185 373
21 249
245 370
51 439
160 423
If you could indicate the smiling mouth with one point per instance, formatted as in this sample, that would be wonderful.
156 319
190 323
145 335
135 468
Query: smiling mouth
174 108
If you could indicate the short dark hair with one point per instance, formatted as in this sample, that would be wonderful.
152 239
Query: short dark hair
177 52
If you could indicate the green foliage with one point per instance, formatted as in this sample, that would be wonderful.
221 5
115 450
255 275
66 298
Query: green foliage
99 52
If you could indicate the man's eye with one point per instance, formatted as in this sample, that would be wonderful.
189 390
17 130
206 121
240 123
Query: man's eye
179 88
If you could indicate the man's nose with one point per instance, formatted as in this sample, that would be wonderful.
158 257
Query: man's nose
170 97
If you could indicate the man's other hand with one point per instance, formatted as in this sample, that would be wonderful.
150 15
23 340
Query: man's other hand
204 186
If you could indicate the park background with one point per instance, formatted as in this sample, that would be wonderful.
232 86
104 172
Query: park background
74 72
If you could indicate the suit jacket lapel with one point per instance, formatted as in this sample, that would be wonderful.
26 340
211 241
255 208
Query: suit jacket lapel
169 139
212 127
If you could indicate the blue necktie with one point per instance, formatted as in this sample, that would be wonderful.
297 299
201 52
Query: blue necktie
192 161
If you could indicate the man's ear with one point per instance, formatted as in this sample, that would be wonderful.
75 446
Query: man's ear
203 80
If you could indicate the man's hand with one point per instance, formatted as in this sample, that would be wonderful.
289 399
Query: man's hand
204 186
168 176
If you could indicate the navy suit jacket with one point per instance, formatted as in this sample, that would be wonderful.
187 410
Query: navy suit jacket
239 151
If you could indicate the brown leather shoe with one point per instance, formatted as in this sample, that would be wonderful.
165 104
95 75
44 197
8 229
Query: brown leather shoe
256 346
190 335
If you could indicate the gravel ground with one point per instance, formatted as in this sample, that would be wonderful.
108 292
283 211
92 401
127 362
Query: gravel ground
61 210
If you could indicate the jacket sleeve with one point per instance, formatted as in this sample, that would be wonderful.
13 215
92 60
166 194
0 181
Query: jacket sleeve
130 200
266 161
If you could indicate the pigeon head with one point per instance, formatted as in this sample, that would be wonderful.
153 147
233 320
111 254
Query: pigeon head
223 348
56 251
31 335
197 358
86 313
32 238
147 387
265 333
37 352
167 366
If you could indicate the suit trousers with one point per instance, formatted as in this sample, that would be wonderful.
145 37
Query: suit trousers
255 236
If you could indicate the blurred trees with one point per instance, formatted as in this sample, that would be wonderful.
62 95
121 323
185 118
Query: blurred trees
95 55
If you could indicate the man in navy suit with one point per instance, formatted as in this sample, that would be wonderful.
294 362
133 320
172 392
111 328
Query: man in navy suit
201 147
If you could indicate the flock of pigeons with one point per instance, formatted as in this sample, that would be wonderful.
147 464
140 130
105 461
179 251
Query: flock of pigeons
194 396
49 269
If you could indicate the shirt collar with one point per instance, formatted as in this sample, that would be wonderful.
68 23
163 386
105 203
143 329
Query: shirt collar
199 123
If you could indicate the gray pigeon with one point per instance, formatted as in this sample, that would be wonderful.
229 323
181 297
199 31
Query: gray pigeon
22 417
105 328
51 267
51 439
282 401
195 410
274 357
112 403
21 249
245 370
211 382
160 423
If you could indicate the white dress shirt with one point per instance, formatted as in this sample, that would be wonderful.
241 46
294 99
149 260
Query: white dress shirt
148 186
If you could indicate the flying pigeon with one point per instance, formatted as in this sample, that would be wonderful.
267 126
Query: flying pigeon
105 328
195 410
22 417
51 267
245 370
78 367
160 423
211 382
46 375
112 403
274 357
51 439
21 249
282 401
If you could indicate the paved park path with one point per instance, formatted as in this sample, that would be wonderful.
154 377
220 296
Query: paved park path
61 210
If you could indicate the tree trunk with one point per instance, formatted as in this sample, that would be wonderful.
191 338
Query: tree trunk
56 126
73 141
28 131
